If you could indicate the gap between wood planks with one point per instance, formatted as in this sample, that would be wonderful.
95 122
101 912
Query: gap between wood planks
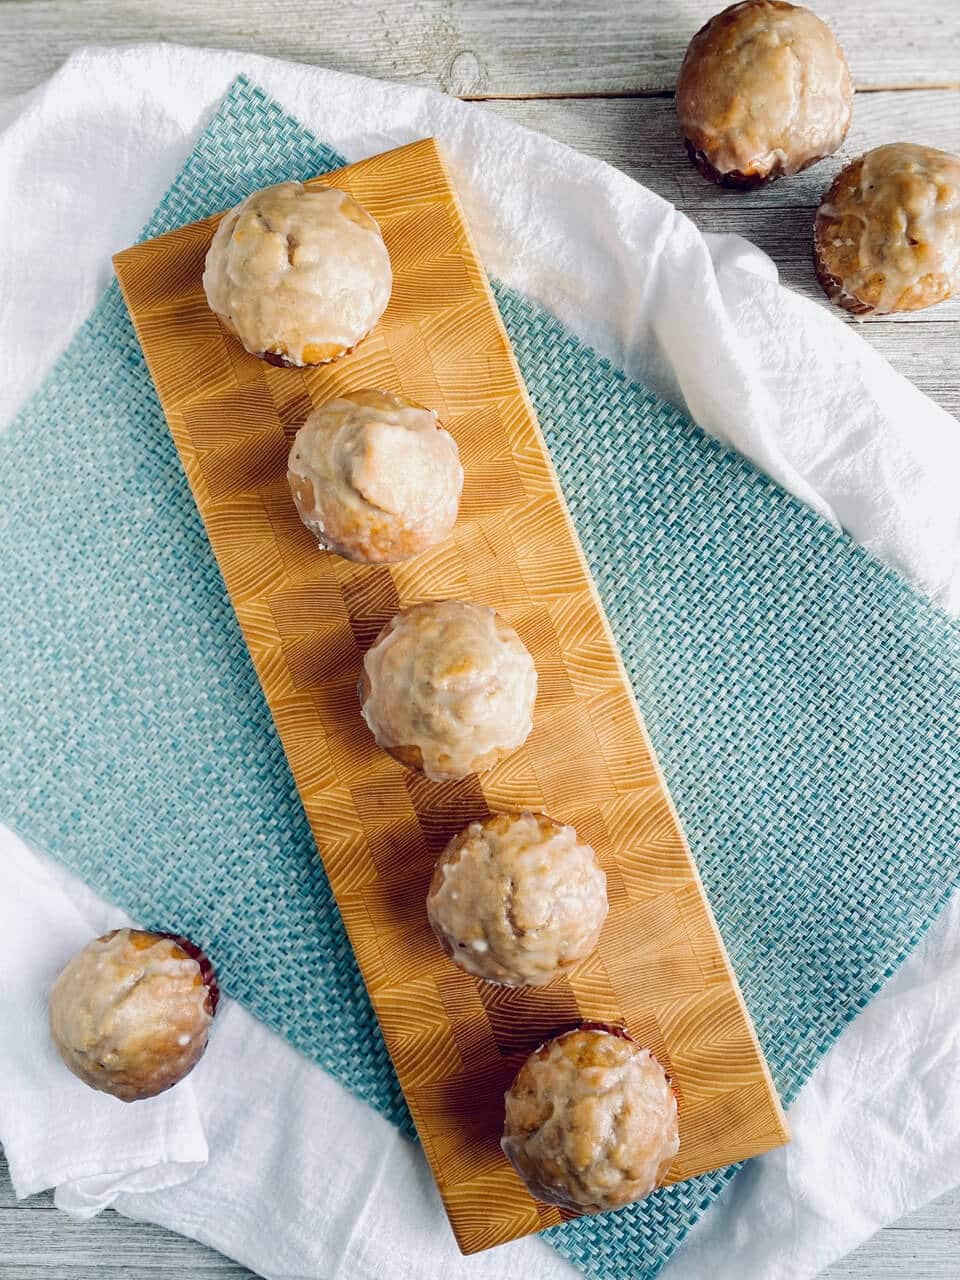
574 95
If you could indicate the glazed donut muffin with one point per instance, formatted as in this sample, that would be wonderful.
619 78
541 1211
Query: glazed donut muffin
887 234
517 899
299 274
591 1121
763 91
448 688
375 477
131 1012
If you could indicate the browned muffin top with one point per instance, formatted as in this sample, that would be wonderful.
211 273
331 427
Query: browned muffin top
300 274
375 477
448 687
887 233
517 899
591 1121
764 91
131 1011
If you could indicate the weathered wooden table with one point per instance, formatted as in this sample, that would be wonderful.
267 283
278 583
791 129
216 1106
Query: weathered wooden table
599 75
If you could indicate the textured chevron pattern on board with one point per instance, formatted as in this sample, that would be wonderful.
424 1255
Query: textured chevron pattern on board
307 618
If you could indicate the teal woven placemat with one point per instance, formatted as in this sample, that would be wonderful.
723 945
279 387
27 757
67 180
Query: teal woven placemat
804 701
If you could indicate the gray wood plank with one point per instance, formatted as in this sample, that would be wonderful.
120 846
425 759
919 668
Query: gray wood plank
906 1255
500 47
37 1242
923 1246
641 137
929 355
942 1214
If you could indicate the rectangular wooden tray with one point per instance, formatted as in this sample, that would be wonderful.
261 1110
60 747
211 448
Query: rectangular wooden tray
307 617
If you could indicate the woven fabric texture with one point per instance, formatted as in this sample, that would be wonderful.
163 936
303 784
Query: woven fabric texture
804 701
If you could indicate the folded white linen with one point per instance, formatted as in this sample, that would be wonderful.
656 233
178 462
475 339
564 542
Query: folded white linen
297 1177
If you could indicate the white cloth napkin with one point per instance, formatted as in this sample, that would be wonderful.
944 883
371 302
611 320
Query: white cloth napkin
258 1153
301 1179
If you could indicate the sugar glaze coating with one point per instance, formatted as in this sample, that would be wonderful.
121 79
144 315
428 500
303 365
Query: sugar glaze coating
887 233
763 92
131 1012
299 274
591 1121
448 687
517 899
374 477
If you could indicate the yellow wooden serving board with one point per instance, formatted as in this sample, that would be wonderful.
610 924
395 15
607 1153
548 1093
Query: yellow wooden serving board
308 617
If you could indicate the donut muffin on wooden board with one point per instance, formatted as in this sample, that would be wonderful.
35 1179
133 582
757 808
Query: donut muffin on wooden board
375 477
299 276
308 617
448 688
591 1120
518 899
